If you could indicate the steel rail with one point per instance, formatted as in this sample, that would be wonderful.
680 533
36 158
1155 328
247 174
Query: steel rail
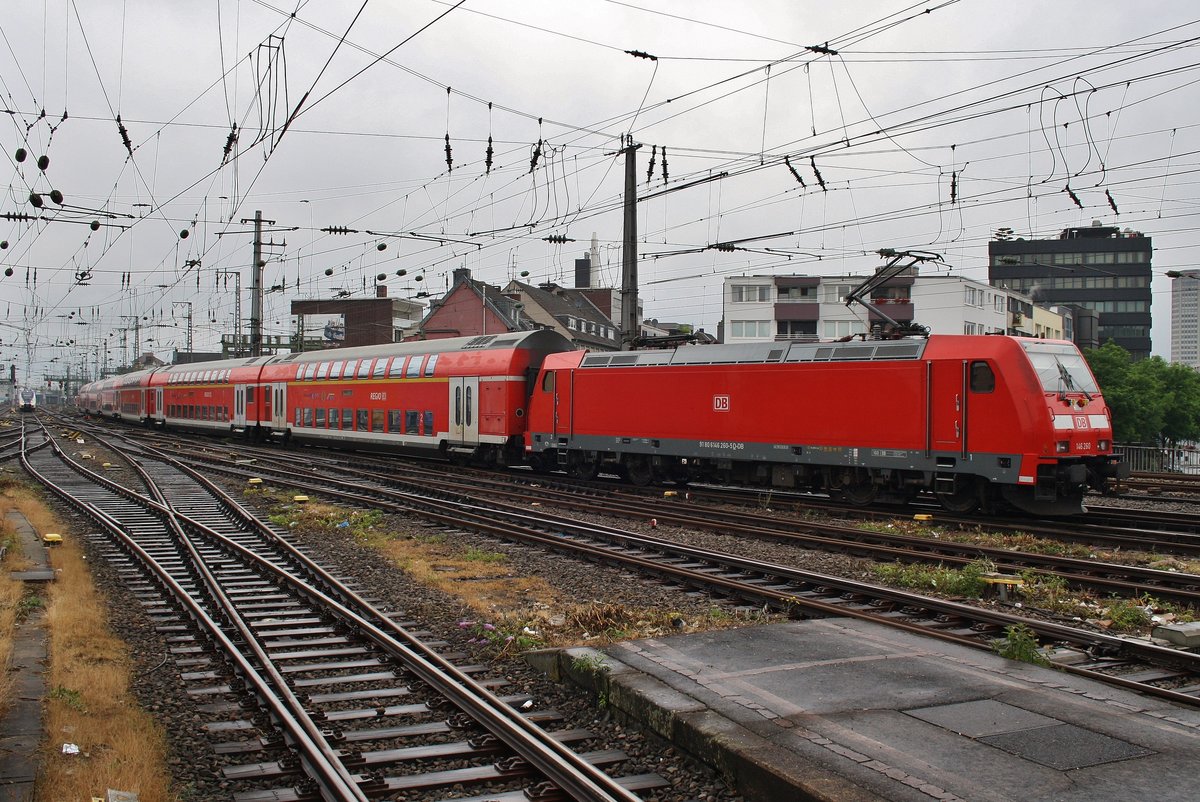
560 765
1112 578
329 774
518 524
512 526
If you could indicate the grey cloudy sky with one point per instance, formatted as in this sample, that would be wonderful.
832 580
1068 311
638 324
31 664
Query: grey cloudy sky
1003 104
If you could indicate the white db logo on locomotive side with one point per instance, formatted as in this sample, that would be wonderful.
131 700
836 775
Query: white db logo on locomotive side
720 403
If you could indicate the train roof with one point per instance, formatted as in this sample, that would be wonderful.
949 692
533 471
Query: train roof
540 340
763 353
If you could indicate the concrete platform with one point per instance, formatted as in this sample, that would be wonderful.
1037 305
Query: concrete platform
21 727
839 709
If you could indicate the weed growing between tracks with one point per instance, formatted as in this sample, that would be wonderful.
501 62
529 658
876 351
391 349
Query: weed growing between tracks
1021 541
1038 593
1020 643
967 581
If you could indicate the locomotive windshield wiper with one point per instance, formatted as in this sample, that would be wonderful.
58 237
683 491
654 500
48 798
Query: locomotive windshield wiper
1068 381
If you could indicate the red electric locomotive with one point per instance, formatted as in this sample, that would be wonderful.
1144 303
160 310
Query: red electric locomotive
971 418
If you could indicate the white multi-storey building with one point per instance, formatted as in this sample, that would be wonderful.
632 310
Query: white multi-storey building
758 308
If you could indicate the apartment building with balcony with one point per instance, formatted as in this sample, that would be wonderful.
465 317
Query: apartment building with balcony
812 308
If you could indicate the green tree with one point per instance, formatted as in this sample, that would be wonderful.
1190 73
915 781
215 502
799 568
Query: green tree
1152 401
1182 414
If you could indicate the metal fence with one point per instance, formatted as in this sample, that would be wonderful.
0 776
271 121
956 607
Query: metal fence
1156 459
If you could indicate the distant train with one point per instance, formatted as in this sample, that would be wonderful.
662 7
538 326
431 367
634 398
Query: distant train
976 420
26 399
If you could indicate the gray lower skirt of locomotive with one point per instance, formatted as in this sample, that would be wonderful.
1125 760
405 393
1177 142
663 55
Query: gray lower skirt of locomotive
1001 468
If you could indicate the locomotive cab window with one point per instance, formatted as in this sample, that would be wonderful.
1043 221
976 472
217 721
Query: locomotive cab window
983 380
548 382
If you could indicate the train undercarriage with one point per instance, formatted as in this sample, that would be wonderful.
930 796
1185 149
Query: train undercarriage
1059 489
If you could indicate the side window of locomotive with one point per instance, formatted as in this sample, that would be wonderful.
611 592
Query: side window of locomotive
983 380
548 382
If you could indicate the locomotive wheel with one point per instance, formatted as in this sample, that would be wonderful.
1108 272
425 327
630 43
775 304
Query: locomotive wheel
585 466
861 493
964 498
639 471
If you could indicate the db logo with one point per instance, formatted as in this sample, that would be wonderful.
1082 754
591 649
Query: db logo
720 403
1081 422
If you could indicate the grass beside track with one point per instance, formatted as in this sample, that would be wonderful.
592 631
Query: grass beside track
88 681
510 611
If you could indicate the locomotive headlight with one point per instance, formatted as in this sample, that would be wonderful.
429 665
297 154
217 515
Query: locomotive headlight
1103 445
1062 446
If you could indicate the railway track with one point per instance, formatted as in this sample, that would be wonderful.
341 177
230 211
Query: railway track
1140 665
1105 579
351 702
